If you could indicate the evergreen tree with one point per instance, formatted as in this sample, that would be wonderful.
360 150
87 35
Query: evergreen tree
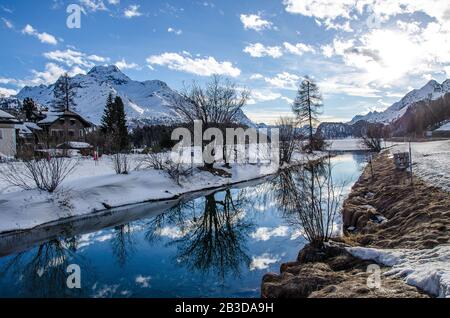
28 106
108 119
64 93
307 105
121 124
114 123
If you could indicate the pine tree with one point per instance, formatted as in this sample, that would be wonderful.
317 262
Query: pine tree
28 106
307 105
64 93
108 119
114 122
121 124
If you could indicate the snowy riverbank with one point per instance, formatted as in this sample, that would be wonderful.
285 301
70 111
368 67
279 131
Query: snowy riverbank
94 187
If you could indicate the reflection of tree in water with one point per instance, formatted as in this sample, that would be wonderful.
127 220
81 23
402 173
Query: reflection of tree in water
122 243
310 200
212 241
43 271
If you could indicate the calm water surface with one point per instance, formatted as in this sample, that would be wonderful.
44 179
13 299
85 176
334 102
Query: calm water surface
217 245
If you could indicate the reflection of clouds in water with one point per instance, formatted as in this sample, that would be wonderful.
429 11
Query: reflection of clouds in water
88 239
297 233
263 261
106 291
143 281
265 233
171 232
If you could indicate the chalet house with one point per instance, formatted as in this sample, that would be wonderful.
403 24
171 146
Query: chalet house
7 135
61 127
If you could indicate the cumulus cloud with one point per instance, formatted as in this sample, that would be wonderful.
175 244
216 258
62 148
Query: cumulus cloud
259 50
124 65
298 49
43 37
5 92
284 80
258 96
71 57
94 5
255 22
202 66
143 281
132 11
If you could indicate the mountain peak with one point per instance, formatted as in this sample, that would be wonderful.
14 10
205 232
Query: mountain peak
104 69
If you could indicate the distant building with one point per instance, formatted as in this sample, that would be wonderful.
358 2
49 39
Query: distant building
61 127
8 147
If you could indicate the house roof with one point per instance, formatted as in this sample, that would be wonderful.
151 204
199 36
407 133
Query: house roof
51 117
7 118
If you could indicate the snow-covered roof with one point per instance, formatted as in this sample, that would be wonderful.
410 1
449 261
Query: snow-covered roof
5 115
75 145
50 117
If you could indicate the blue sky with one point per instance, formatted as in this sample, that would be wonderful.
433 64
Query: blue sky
364 54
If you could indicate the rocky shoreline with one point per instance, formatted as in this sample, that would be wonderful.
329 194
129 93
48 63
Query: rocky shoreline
383 210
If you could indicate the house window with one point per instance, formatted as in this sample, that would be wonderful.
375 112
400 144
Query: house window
54 133
72 122
1 134
72 133
81 132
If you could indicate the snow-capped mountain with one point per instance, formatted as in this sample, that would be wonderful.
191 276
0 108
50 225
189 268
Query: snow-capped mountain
432 90
145 102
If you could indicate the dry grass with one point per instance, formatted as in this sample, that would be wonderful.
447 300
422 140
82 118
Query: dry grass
417 216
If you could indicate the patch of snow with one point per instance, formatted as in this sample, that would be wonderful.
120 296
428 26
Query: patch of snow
445 127
427 269
347 144
431 161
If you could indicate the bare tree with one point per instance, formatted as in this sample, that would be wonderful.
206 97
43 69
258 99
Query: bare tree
45 174
289 138
217 104
311 200
307 106
372 138
121 163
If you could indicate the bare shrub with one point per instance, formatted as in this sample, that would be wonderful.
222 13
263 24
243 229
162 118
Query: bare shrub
372 138
311 200
121 163
163 161
44 174
289 138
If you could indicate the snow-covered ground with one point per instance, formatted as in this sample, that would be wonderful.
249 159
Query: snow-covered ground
428 269
94 186
431 161
347 144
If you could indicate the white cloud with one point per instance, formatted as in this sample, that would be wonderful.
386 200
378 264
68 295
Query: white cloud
255 22
259 50
49 76
7 92
256 76
124 65
132 11
175 31
262 96
298 49
205 66
8 23
43 37
94 5
284 80
114 2
71 57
